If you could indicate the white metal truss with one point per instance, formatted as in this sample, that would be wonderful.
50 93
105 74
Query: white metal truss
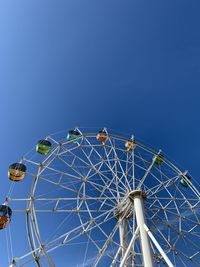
118 207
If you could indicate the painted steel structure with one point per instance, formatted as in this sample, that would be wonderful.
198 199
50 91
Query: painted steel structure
126 205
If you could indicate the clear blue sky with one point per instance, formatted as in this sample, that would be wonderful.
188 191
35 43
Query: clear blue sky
133 66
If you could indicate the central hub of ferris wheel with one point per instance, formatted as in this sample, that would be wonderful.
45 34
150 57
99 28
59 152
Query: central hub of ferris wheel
134 193
126 206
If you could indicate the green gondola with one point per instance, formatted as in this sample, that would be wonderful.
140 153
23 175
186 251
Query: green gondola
43 147
159 159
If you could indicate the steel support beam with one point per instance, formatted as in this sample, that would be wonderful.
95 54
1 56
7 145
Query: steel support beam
138 198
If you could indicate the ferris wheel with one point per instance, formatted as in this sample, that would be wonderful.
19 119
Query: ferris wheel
101 199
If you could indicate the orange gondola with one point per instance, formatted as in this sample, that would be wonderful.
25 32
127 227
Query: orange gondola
102 136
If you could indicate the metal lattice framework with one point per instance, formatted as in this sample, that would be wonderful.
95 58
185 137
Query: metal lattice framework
116 207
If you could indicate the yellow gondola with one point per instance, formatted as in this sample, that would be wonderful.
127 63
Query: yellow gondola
16 172
130 144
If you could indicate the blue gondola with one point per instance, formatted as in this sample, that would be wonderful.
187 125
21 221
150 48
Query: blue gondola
184 180
73 135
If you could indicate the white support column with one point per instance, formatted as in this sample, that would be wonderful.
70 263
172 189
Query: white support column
123 261
123 236
137 197
163 254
